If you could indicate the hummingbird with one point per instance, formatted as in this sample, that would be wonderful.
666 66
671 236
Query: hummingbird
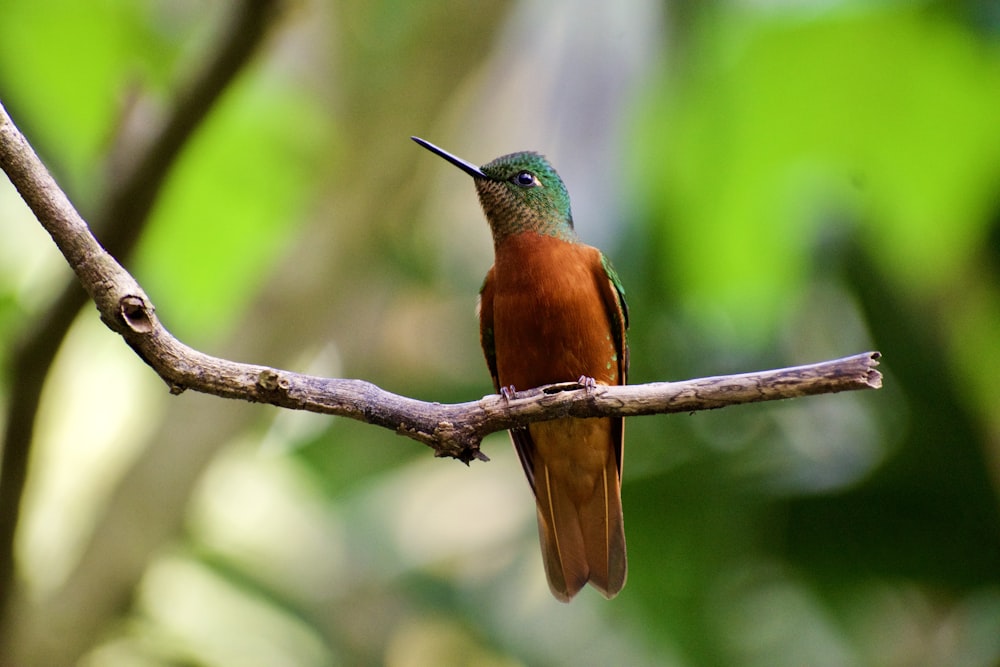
552 309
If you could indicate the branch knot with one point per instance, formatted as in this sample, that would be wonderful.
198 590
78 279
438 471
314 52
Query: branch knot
271 381
136 313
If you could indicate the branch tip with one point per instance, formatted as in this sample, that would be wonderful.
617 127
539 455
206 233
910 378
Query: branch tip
873 378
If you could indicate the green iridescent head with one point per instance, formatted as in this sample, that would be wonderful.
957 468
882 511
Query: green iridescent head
520 192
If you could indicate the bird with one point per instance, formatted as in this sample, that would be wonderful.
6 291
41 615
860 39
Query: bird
552 310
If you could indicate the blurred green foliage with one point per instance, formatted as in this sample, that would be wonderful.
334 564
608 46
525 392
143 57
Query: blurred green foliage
208 231
795 183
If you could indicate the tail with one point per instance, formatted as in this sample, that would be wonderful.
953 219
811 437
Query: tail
580 524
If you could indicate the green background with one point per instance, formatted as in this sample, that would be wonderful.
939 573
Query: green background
776 184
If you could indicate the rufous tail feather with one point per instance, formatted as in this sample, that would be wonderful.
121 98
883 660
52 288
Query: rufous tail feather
584 540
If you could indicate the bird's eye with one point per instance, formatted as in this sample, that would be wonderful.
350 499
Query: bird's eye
525 179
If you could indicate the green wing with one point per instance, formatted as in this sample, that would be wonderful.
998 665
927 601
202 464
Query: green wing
614 300
484 308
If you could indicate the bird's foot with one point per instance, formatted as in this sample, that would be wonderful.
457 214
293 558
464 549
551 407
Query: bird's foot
508 392
588 383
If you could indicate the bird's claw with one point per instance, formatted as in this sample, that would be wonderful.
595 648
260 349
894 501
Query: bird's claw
508 392
587 383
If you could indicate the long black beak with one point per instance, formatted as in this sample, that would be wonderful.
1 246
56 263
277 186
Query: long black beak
467 167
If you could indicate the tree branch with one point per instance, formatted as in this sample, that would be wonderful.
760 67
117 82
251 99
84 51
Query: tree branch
454 430
121 218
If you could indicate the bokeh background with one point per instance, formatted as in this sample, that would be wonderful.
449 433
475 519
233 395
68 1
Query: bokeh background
776 182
